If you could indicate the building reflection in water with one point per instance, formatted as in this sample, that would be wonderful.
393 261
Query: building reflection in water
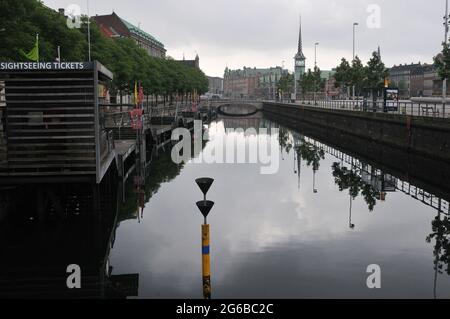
362 179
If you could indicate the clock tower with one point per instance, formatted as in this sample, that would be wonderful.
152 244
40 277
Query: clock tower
300 60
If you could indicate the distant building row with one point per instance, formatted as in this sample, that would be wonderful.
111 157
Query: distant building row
252 82
416 80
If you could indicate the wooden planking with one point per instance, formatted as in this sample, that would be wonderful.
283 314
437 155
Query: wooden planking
59 165
51 131
51 159
54 116
51 152
7 80
49 94
70 144
50 123
86 101
69 137
49 87
51 127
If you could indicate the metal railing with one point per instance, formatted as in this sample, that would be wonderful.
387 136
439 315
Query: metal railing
407 108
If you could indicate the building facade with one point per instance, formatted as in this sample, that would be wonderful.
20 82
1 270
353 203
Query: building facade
113 26
215 85
416 80
252 82
191 63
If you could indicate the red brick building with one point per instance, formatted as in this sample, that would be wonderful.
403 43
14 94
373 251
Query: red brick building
113 26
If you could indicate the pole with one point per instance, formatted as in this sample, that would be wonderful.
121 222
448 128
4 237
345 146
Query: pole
37 40
315 54
89 30
206 262
444 83
354 52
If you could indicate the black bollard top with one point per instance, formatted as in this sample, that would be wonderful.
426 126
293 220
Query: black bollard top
205 207
204 184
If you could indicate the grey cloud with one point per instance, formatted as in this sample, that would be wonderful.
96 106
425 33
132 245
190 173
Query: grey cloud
411 29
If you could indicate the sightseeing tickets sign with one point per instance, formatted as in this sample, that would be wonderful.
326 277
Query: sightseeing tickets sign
45 66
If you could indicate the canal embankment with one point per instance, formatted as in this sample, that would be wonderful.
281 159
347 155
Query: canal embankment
424 136
425 172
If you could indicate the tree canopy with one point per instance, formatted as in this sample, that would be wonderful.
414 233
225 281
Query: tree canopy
372 76
20 21
312 81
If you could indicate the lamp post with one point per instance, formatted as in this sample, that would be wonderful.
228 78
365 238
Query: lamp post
315 54
205 207
355 24
444 82
89 29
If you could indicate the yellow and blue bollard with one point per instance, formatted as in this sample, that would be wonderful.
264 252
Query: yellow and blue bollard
205 207
206 262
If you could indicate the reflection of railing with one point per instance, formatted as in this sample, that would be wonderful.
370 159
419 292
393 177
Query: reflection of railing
415 192
422 109
119 115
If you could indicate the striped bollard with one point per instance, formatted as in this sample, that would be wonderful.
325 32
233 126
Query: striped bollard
205 207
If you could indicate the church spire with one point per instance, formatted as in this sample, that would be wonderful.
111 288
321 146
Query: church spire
300 40
300 55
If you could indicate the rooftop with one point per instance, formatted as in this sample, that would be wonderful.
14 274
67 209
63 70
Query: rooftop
135 30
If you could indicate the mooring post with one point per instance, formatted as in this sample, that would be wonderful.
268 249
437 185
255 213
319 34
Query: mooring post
205 207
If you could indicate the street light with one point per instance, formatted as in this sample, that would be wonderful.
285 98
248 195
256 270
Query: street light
444 82
355 24
315 54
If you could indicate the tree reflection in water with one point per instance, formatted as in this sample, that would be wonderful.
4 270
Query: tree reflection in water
441 233
348 179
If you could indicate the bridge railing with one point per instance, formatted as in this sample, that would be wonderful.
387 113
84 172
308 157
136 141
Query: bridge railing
411 108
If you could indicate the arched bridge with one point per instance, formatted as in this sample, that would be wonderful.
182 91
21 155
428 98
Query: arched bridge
229 108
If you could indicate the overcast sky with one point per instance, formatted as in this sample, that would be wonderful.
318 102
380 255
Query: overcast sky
264 33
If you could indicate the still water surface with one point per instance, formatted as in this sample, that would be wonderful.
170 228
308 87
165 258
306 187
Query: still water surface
308 231
287 235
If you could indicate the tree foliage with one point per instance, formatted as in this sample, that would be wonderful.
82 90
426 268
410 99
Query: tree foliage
442 62
286 83
347 179
372 76
20 21
312 81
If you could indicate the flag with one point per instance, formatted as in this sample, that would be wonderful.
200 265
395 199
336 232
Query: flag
141 94
33 55
135 93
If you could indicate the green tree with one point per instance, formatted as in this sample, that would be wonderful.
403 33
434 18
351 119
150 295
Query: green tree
442 62
343 75
286 83
357 75
376 74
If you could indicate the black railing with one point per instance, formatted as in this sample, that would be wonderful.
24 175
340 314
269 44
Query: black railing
411 108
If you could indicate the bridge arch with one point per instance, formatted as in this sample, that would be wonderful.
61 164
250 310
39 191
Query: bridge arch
238 110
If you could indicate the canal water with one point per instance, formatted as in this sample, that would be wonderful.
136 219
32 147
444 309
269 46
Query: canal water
310 230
